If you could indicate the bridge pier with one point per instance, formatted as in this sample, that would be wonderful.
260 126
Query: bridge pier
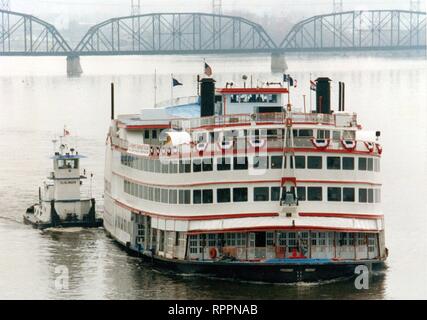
278 62
74 69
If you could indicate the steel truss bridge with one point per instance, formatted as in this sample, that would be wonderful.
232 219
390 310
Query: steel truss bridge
199 33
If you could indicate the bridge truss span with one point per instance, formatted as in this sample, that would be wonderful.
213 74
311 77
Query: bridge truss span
22 34
175 33
359 30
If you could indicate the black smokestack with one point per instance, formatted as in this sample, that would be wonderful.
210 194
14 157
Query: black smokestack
112 101
323 95
207 97
341 103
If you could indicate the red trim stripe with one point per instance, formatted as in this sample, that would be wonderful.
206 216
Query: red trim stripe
295 228
245 215
278 181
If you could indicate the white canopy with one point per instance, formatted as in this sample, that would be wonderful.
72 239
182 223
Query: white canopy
177 138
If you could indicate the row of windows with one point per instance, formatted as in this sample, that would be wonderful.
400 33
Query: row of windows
240 194
281 239
242 163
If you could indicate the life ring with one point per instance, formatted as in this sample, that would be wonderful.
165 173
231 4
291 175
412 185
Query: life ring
379 148
212 253
349 144
257 143
320 143
370 146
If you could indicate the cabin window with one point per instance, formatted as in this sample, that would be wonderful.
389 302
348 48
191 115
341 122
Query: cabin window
147 134
260 162
377 195
207 196
363 195
240 163
165 167
348 163
349 135
334 194
184 166
336 135
208 164
197 165
223 195
156 194
173 167
300 162
164 196
223 164
276 162
376 165
362 164
184 197
323 134
240 194
301 193
275 193
154 134
370 164
212 239
173 198
334 163
314 193
314 162
156 165
348 194
261 194
197 196
370 195
68 164
305 133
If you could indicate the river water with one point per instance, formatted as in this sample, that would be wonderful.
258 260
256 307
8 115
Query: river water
37 100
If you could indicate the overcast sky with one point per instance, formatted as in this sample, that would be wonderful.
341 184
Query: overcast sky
92 11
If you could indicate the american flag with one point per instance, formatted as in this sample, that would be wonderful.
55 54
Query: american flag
208 70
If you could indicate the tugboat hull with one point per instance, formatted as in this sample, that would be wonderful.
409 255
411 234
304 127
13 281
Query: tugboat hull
64 224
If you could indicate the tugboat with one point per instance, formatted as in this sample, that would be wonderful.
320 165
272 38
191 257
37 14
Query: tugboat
61 203
236 183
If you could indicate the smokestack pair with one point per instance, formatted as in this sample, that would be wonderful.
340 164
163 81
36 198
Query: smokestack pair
323 95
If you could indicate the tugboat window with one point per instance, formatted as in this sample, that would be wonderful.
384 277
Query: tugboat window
363 195
207 196
314 193
240 194
301 193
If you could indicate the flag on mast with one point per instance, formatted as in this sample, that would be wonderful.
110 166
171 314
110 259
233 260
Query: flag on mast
312 85
208 70
176 83
292 82
66 132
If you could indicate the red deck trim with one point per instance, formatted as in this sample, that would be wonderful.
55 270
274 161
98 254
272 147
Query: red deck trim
342 215
294 228
244 215
188 185
252 90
